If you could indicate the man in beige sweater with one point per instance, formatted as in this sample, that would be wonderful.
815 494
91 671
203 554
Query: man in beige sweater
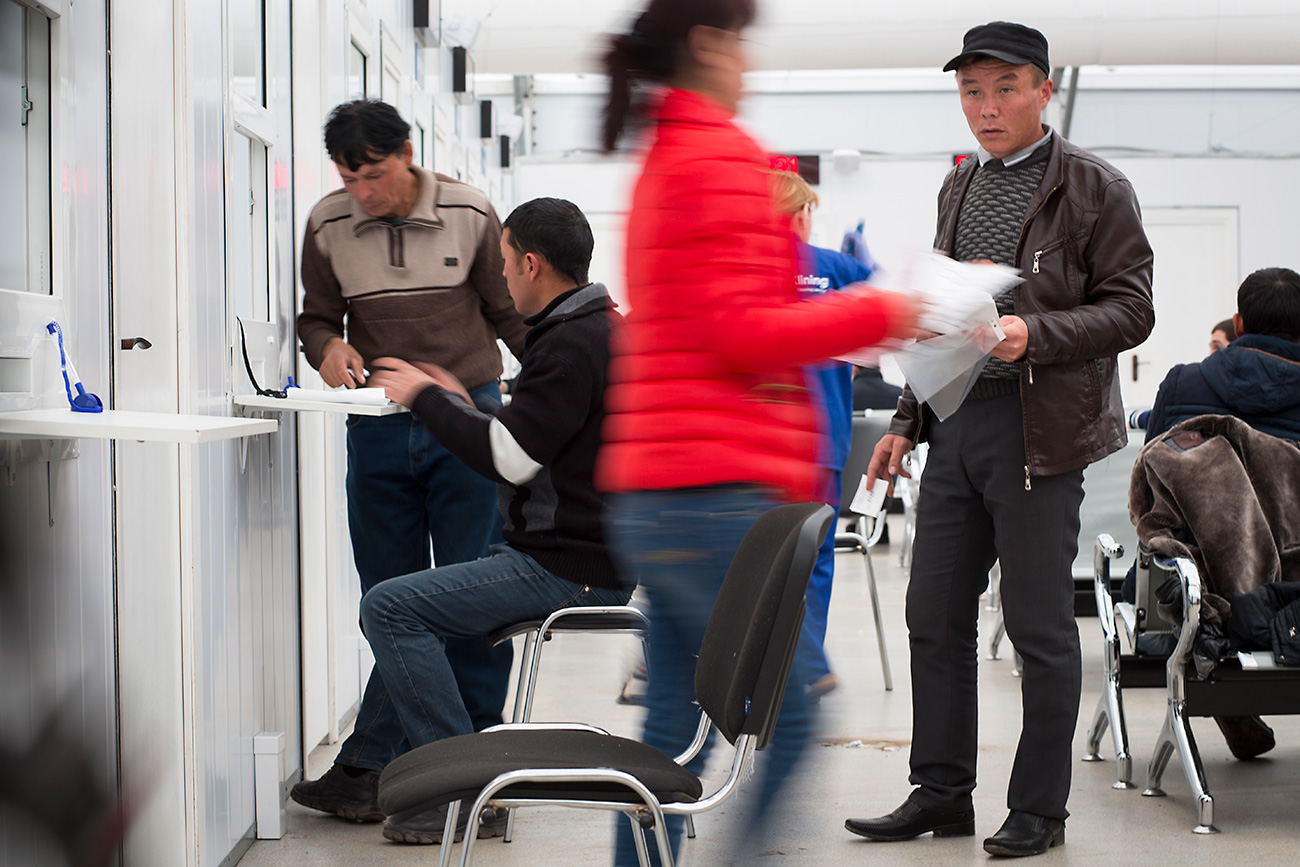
402 262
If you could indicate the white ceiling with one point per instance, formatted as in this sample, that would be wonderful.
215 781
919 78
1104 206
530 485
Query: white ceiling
545 36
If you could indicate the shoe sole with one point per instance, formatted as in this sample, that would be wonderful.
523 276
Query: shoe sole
360 813
399 835
959 829
1006 852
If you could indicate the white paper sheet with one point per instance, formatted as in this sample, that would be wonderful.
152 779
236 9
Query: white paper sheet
361 396
957 305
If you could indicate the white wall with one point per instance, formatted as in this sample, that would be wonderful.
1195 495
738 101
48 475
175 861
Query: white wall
1231 138
56 579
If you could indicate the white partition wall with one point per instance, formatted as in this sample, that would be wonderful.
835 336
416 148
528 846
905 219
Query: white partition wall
56 528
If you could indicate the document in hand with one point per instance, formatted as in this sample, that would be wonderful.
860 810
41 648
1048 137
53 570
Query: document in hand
957 306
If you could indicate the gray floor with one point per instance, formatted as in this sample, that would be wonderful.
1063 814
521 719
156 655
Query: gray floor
858 767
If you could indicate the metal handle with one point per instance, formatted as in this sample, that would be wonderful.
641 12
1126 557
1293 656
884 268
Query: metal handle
135 343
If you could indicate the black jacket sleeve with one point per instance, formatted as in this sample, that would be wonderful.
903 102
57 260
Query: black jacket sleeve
553 398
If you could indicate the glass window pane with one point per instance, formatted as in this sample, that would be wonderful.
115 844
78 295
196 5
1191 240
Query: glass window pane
356 72
241 228
13 154
25 150
248 41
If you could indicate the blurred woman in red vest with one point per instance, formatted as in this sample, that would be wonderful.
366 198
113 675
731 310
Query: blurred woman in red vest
709 419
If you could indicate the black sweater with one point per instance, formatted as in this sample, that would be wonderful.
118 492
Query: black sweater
541 448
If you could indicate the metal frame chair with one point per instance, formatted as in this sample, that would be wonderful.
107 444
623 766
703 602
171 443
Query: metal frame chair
1124 623
868 428
1229 690
604 619
851 540
744 665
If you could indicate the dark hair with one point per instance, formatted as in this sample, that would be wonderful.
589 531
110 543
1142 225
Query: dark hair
1269 303
555 230
654 50
1228 329
364 131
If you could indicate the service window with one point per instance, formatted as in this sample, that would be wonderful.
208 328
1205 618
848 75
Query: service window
250 289
248 40
356 72
25 245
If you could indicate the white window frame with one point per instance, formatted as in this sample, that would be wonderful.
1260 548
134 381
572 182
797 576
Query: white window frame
361 33
251 126
391 57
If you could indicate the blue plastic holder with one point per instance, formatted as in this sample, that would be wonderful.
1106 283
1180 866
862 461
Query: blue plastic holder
82 401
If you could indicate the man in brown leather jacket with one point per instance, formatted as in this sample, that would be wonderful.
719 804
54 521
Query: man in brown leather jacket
1004 477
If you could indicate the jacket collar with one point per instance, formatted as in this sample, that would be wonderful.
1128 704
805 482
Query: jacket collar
688 106
425 212
573 301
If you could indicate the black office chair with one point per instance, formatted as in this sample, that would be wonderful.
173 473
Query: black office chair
863 531
740 678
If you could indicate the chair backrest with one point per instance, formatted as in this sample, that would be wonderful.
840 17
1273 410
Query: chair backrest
867 431
749 644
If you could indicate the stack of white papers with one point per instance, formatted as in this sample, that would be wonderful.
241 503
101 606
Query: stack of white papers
359 396
957 306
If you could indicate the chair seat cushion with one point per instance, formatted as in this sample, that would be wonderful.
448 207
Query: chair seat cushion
575 622
461 767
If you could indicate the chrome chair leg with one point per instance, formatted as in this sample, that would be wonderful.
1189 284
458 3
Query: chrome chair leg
1100 721
880 625
1160 759
690 827
638 838
449 834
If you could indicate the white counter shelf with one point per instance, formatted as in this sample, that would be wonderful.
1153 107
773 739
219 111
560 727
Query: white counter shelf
129 425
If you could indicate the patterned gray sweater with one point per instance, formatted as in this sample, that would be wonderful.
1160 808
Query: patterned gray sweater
988 227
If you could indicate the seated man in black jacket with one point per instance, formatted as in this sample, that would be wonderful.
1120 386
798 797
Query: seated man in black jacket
1257 379
540 450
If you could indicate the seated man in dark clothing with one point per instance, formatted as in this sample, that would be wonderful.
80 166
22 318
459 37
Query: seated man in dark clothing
870 391
540 450
1257 379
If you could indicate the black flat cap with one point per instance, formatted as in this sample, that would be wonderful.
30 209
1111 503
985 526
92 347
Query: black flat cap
1002 40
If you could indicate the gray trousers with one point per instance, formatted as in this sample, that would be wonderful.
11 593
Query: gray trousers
974 509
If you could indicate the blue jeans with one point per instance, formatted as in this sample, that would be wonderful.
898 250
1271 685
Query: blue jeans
408 620
677 545
406 491
812 640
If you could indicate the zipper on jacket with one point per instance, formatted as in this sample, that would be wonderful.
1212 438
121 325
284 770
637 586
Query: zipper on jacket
1038 254
1019 246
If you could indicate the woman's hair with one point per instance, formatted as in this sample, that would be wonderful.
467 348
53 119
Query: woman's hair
654 51
790 192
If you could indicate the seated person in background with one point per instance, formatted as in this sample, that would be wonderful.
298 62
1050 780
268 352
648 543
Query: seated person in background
821 271
540 450
1256 378
870 391
1222 334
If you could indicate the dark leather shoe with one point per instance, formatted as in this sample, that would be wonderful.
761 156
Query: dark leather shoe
910 821
1026 834
429 827
355 798
1246 736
